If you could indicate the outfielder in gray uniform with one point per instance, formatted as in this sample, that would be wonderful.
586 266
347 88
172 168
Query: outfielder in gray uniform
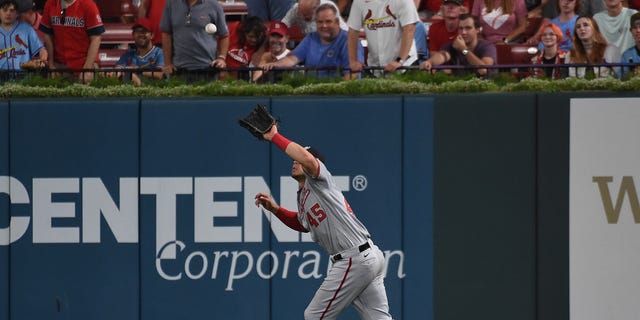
356 275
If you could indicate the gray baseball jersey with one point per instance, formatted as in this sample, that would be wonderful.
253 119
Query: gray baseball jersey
357 276
324 211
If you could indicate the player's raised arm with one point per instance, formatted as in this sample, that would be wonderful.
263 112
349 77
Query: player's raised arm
261 124
294 150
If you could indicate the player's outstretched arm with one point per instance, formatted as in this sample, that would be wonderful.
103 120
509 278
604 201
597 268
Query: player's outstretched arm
295 151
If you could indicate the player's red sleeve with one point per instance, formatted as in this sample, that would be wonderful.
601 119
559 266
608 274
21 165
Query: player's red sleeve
290 218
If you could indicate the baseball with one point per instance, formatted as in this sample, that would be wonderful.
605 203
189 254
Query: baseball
211 28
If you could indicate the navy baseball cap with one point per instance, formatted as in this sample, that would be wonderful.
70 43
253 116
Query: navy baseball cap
315 153
25 5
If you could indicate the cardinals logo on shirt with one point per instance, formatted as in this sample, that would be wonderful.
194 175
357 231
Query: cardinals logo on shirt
388 21
239 55
21 42
14 50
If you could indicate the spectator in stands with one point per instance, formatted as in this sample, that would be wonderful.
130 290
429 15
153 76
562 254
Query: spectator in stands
20 43
550 36
613 24
590 47
269 10
302 14
183 30
566 21
503 21
444 30
72 31
389 28
467 49
146 59
535 7
30 16
246 38
152 9
324 48
632 55
278 38
591 7
434 9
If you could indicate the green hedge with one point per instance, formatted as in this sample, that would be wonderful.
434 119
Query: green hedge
405 84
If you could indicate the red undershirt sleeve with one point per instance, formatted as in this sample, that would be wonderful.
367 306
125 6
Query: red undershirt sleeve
290 218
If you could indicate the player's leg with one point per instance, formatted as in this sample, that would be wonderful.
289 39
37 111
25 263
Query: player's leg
341 286
372 303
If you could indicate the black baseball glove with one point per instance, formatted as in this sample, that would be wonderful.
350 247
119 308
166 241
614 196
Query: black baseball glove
258 122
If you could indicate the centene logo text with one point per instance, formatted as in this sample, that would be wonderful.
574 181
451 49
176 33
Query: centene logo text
122 217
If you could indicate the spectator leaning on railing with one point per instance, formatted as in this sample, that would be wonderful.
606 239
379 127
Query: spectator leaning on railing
389 28
19 42
632 55
550 36
183 30
467 49
277 40
324 48
246 39
72 31
590 47
145 60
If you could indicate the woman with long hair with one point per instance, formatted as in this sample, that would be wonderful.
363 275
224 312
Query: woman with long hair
503 21
590 47
550 36
247 38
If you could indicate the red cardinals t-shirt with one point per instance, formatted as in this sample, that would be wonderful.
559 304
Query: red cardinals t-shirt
237 56
70 30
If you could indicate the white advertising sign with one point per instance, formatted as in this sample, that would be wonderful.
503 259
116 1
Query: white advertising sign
604 218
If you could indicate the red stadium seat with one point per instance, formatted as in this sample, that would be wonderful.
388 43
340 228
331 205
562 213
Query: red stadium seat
118 34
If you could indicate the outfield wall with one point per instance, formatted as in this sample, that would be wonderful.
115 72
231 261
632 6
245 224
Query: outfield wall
142 209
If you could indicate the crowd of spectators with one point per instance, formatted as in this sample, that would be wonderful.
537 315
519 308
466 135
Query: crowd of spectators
571 38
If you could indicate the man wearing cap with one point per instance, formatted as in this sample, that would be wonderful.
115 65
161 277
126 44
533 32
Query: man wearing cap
444 30
278 38
324 48
145 58
19 42
28 14
303 14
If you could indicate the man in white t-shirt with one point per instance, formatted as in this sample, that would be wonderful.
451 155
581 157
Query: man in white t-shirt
389 27
614 24
303 14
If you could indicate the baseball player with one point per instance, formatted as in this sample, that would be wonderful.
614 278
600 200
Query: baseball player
356 275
